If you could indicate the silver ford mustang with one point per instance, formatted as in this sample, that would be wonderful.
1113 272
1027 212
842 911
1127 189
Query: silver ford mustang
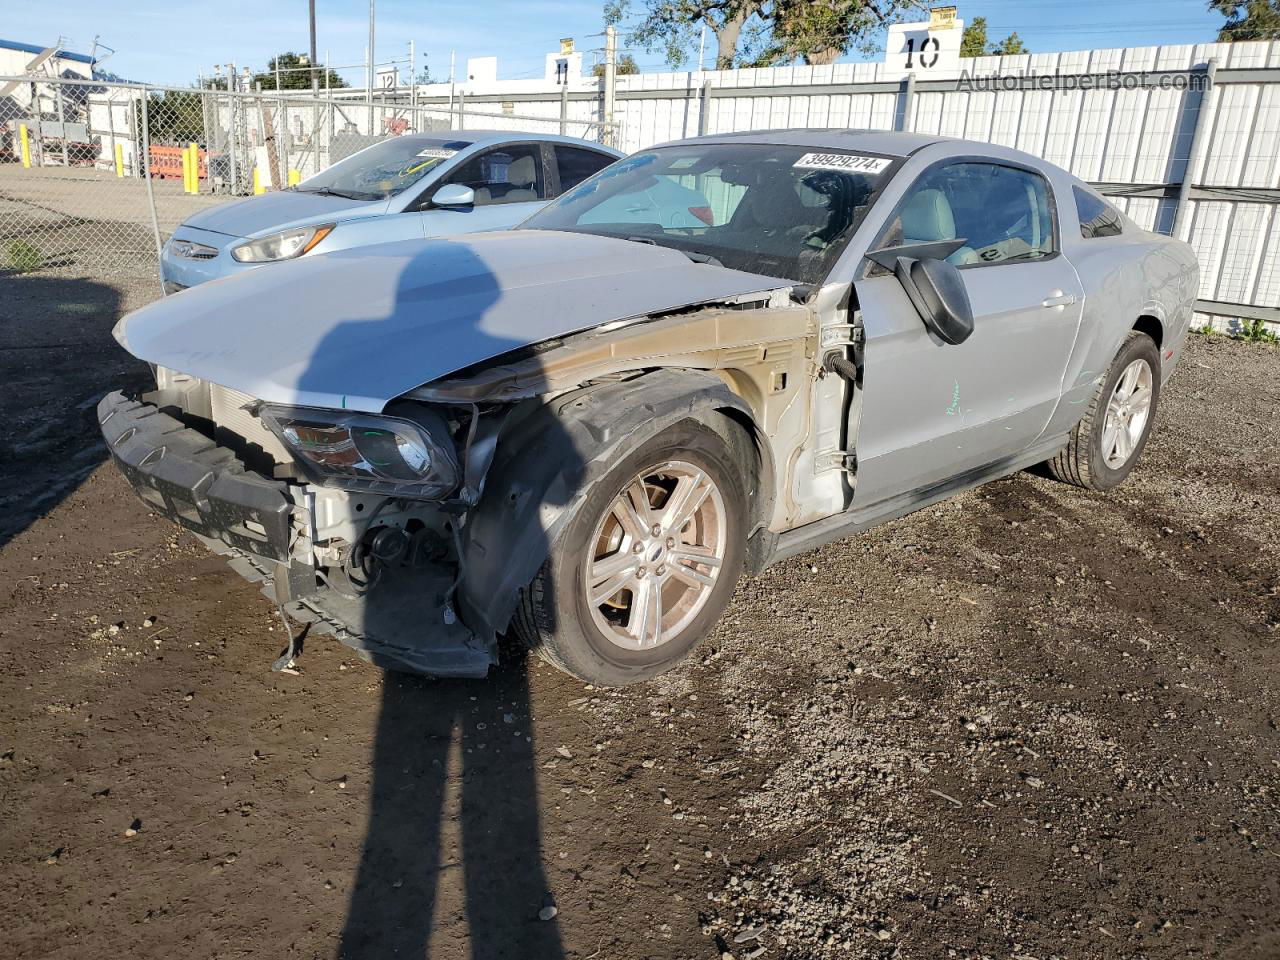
712 355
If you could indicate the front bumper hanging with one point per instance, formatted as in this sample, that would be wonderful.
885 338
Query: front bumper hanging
183 475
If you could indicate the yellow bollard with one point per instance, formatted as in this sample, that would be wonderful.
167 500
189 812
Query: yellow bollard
195 167
119 159
295 177
186 171
26 145
258 188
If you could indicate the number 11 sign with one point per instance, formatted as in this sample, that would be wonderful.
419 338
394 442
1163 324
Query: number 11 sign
931 53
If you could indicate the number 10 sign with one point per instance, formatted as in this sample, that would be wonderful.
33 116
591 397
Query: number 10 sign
932 54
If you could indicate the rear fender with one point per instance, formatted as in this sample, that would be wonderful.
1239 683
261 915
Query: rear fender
549 457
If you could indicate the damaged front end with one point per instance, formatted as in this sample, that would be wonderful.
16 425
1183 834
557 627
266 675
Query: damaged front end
351 520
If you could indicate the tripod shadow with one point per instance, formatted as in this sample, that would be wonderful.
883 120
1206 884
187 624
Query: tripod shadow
454 787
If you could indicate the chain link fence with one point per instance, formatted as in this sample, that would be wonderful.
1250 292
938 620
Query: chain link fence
97 175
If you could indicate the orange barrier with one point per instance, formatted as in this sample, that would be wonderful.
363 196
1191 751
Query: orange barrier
167 162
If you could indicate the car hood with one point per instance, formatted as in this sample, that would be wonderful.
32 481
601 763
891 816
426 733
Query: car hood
357 328
279 211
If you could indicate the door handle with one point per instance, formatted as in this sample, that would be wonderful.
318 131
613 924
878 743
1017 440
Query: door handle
1059 299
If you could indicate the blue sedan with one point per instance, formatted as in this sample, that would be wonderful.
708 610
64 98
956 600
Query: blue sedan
403 188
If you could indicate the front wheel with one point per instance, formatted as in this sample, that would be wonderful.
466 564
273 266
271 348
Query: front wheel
1107 442
646 564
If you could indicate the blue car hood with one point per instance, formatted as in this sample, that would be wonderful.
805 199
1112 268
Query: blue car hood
357 328
279 211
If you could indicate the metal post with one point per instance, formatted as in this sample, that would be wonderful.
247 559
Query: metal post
413 90
369 70
704 114
62 118
1182 214
908 98
231 127
117 155
610 82
462 110
151 198
311 13
564 107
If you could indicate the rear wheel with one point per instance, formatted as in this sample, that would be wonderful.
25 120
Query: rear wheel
647 563
1107 442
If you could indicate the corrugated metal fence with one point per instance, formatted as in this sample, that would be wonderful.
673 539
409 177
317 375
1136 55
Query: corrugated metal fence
1186 139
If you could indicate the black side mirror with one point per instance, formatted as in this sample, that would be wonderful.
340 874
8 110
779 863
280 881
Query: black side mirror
934 287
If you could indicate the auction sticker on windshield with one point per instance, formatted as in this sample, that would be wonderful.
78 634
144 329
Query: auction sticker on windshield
437 154
851 162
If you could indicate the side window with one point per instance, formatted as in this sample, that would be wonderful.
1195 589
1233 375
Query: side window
1097 219
1001 213
506 174
575 165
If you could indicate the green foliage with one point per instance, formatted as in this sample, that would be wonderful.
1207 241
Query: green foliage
294 74
175 117
1248 19
1208 330
24 256
974 42
1257 331
626 65
762 32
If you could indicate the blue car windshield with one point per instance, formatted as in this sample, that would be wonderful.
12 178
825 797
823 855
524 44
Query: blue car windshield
384 169
778 210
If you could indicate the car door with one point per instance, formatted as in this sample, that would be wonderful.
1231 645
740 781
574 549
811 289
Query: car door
931 410
510 182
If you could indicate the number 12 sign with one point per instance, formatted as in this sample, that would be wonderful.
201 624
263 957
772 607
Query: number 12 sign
929 54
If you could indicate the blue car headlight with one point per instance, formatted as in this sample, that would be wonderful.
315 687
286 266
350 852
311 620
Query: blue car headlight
282 246
392 456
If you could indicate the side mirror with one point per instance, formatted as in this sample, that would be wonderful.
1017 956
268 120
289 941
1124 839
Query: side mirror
934 287
454 195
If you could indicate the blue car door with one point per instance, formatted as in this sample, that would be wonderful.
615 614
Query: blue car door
510 182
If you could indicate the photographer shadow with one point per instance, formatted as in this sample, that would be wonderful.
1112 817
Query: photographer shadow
454 784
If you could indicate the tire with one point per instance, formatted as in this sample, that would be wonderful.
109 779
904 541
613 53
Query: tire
1083 461
610 644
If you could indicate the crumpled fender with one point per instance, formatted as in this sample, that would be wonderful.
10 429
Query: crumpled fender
548 458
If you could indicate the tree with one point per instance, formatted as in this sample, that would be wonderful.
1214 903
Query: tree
821 31
675 26
294 74
974 42
1248 19
626 64
762 32
175 116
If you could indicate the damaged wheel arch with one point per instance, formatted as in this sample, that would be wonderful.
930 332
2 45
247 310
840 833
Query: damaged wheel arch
550 456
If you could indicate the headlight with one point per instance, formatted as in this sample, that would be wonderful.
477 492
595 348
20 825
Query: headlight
370 454
281 246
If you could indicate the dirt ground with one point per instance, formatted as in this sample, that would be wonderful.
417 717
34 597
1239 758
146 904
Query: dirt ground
1030 722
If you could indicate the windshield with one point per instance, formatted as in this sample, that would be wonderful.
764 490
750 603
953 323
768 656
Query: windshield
778 210
384 169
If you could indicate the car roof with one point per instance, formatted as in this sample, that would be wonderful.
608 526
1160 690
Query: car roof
888 142
481 138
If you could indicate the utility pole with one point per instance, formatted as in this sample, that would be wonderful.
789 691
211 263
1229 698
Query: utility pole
610 81
369 81
315 81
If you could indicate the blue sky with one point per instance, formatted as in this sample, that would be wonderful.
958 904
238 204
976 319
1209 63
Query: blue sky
161 41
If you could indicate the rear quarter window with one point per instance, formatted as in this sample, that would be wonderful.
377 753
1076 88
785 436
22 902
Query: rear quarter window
575 165
1097 219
